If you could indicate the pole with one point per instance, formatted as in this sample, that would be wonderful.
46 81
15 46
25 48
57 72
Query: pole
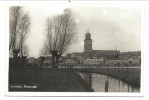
90 82
106 85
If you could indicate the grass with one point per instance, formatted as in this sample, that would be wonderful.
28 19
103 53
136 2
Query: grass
46 80
65 80
130 76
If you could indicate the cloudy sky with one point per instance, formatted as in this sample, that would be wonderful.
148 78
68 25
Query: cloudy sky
109 27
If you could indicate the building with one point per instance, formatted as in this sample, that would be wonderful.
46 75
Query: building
130 53
88 42
113 61
93 61
131 57
134 60
89 52
37 62
76 55
30 61
71 61
90 56
47 60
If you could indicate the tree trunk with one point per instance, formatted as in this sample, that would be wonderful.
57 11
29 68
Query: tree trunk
21 51
54 54
53 61
15 54
57 59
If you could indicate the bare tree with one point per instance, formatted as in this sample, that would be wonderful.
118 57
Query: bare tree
61 33
24 30
14 19
19 23
43 53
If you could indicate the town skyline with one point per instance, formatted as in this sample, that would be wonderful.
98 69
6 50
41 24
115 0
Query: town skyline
61 48
109 28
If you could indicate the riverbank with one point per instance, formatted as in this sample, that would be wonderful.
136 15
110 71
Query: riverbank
130 76
45 80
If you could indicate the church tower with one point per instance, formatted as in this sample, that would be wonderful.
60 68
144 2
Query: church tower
87 42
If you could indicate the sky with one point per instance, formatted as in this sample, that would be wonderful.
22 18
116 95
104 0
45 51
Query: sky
110 27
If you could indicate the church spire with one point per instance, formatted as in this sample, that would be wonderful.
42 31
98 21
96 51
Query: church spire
88 31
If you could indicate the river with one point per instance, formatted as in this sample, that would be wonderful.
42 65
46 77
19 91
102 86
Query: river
115 85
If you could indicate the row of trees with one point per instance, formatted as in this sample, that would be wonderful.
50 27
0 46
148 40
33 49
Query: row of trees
60 33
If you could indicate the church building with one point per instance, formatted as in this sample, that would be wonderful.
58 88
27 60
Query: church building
90 53
90 56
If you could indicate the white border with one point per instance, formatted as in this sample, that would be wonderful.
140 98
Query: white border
74 4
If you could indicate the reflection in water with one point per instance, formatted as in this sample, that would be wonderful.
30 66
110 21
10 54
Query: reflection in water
115 85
